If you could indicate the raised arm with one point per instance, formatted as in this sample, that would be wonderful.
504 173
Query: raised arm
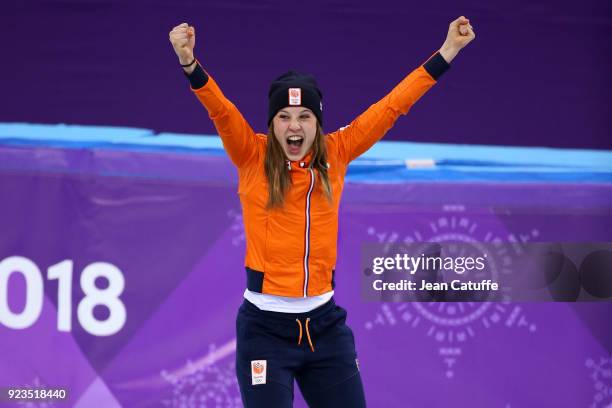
236 134
373 124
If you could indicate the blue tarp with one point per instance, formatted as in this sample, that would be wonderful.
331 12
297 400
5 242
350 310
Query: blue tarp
386 162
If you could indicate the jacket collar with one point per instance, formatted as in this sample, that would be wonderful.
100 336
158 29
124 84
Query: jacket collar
303 163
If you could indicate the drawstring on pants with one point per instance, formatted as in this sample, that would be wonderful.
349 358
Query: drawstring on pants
307 333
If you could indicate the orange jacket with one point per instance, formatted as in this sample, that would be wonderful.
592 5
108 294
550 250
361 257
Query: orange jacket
292 251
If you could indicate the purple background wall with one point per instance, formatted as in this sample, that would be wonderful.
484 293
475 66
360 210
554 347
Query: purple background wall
151 215
537 73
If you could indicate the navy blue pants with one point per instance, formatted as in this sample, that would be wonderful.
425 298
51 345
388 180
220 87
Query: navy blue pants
317 349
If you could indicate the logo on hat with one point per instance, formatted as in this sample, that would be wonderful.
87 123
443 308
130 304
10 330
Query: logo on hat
295 96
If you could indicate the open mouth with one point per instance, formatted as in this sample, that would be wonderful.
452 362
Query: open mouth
295 141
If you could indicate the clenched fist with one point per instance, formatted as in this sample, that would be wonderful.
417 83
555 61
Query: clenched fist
182 38
460 34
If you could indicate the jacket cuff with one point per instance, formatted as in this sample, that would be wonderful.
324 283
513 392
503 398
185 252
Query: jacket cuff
436 65
198 78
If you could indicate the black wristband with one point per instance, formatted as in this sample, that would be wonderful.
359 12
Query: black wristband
198 78
190 64
436 65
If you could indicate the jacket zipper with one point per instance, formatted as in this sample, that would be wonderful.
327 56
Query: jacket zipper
307 237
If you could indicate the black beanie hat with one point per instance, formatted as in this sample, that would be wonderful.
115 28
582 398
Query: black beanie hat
295 89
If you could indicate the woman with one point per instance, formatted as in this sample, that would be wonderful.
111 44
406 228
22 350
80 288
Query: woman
290 184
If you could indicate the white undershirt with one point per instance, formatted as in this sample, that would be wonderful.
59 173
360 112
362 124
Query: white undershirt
285 304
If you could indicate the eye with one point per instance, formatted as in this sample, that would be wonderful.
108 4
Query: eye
305 116
283 116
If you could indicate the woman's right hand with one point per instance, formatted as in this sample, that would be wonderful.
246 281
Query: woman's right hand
460 34
182 38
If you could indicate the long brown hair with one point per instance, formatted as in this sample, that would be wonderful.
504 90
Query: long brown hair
277 172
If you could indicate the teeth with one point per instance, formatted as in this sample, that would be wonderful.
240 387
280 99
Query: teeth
295 138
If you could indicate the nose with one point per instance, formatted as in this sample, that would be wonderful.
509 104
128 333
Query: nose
294 125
